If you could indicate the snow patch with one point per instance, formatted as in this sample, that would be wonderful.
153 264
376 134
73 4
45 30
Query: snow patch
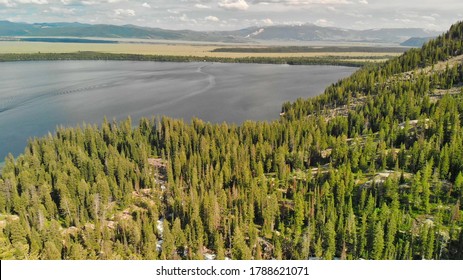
256 33
210 257
160 226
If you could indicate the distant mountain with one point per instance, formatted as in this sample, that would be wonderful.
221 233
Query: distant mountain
416 41
102 30
297 33
310 32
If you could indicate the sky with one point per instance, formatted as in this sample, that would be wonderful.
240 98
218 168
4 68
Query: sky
236 14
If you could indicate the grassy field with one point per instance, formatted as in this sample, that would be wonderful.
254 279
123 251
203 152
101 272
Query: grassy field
173 49
312 49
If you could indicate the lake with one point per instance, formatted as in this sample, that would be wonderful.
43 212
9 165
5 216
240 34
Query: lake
36 97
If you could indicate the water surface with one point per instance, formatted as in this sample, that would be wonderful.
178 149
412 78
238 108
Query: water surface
36 97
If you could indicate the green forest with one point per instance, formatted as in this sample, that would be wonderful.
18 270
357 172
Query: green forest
370 169
350 61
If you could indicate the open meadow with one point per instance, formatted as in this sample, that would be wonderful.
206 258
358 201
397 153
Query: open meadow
176 49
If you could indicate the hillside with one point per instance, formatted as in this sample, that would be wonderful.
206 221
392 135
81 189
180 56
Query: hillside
283 33
311 32
416 41
371 169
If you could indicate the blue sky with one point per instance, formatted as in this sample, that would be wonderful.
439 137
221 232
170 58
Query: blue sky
235 14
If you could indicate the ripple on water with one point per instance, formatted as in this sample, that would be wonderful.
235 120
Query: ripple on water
36 97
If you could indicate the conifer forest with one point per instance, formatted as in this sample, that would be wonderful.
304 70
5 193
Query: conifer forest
370 169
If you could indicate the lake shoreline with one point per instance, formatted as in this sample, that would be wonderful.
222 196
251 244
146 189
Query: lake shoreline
37 97
97 56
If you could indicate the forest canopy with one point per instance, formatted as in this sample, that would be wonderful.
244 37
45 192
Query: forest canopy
371 169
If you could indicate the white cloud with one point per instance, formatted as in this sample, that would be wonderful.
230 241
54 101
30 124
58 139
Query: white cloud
240 5
7 3
92 2
168 14
202 6
61 11
429 18
212 18
38 2
403 20
302 2
89 3
124 12
185 19
324 22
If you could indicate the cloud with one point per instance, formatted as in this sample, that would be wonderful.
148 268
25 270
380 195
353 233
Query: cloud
239 5
92 2
429 18
301 2
38 2
8 3
124 12
61 11
324 22
89 3
403 20
13 3
202 6
168 13
212 18
185 18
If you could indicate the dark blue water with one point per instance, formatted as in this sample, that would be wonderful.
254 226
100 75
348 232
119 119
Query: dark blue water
36 97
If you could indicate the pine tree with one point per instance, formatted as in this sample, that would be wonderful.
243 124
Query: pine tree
240 250
378 242
330 241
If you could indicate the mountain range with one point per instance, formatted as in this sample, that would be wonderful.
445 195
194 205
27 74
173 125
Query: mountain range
286 33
